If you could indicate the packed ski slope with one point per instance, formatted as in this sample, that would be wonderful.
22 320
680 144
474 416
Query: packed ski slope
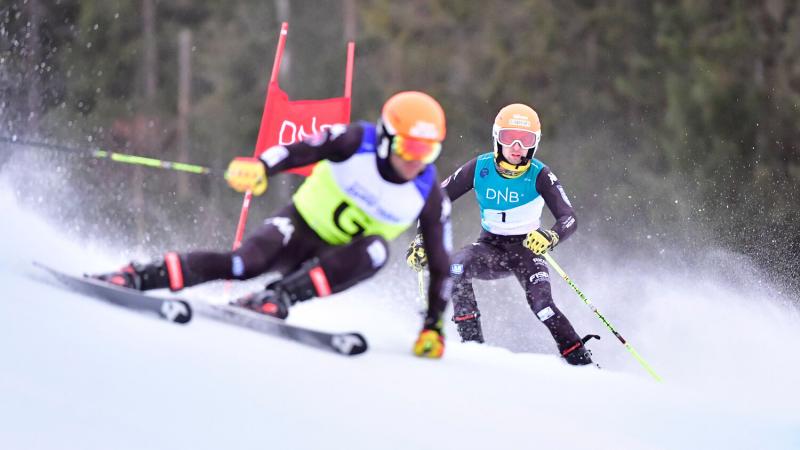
79 374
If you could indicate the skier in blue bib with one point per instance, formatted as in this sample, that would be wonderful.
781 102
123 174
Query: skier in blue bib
511 188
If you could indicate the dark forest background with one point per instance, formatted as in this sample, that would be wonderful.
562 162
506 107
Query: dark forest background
672 124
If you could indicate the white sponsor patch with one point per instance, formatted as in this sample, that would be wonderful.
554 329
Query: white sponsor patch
570 222
274 155
456 269
545 314
237 266
539 277
377 253
519 120
284 226
424 130
553 178
564 196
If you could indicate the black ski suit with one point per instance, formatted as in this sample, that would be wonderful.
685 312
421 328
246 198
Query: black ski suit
493 256
288 243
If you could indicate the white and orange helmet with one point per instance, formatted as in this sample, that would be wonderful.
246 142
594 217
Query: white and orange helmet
516 123
412 126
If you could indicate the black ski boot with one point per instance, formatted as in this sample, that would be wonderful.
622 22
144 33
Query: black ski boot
271 301
126 277
279 296
164 273
577 354
469 327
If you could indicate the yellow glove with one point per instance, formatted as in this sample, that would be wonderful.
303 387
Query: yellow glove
415 256
540 241
430 344
247 174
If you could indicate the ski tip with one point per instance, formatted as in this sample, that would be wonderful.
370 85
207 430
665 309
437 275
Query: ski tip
349 343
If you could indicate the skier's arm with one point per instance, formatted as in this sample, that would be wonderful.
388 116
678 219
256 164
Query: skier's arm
555 198
454 186
461 181
337 143
434 221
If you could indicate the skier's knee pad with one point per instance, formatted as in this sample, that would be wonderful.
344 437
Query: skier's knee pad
348 265
364 256
377 249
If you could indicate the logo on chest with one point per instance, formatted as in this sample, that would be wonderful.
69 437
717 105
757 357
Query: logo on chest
363 193
372 202
502 195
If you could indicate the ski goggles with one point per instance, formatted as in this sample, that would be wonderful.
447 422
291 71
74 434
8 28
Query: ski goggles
411 149
525 138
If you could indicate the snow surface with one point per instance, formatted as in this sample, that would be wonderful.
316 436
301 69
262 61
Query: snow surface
76 373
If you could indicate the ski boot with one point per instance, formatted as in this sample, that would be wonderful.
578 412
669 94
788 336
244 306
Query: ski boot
469 327
165 273
577 354
276 299
271 302
128 276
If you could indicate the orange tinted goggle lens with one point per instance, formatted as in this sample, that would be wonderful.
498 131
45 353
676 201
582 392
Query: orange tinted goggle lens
416 150
527 139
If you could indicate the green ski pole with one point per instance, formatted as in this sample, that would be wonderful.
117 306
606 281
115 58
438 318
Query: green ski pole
627 345
151 162
118 157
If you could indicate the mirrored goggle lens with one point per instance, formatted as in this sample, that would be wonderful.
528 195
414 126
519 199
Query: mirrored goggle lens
416 150
526 139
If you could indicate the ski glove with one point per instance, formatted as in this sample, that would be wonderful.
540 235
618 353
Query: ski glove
247 174
416 258
540 241
430 343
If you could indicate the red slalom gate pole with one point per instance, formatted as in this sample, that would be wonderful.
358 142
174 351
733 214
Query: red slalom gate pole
248 196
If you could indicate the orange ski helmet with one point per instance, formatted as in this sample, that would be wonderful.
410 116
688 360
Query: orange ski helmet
516 123
412 125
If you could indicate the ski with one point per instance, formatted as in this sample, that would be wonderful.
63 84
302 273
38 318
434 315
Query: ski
172 309
346 343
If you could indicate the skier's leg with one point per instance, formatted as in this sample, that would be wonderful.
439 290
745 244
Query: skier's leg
280 244
285 235
532 273
472 261
337 268
331 270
